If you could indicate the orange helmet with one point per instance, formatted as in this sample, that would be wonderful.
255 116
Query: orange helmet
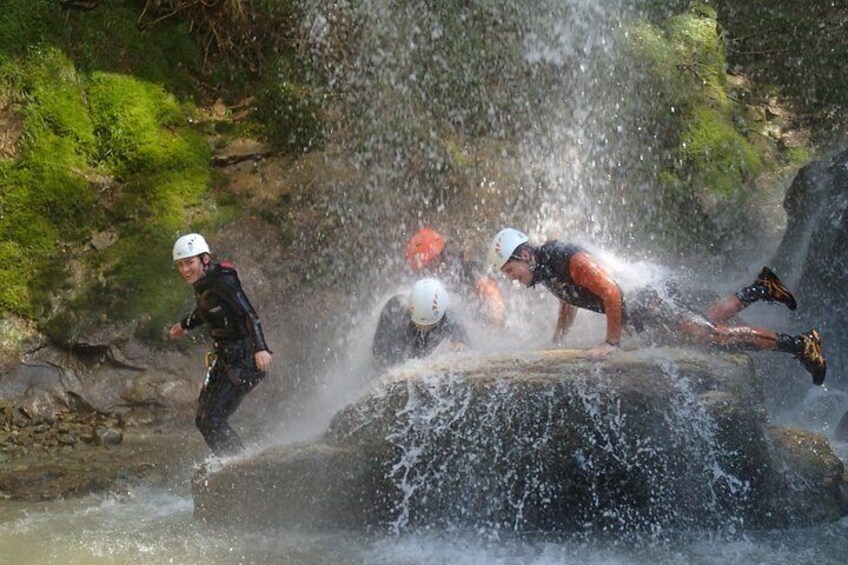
423 248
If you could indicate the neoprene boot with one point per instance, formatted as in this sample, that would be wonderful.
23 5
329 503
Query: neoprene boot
767 287
806 348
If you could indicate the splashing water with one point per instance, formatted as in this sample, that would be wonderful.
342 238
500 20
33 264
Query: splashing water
498 458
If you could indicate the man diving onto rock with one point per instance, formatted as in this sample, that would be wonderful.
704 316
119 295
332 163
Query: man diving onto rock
575 277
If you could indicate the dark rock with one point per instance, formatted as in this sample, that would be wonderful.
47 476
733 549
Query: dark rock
155 456
15 382
66 439
109 436
634 444
296 500
816 238
41 406
841 433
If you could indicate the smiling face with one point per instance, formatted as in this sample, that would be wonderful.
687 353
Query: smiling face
191 268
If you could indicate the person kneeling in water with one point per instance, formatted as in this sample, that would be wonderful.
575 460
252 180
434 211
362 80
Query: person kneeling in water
571 274
429 255
413 326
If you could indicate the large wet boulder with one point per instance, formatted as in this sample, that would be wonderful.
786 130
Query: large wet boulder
640 443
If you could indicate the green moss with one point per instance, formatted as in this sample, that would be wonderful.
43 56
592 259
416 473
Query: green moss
14 278
684 60
718 156
78 128
798 155
106 38
43 193
709 144
699 50
24 23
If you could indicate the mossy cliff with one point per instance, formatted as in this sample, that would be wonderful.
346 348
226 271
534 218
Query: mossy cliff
105 153
105 171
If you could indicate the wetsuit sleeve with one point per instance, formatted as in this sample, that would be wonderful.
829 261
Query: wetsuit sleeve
230 291
191 321
587 273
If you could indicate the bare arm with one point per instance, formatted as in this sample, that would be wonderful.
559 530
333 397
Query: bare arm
565 319
589 274
490 295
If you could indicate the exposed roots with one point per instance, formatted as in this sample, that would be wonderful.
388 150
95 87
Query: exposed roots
232 29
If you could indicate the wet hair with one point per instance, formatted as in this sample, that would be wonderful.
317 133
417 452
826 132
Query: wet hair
516 255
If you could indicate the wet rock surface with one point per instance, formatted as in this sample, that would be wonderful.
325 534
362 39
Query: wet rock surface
815 247
637 444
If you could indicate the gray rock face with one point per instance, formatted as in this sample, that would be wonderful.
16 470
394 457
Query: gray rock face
817 239
639 444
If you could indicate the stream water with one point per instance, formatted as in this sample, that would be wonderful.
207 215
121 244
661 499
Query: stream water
156 526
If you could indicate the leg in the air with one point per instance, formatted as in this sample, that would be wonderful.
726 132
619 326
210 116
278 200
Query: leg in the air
805 347
767 287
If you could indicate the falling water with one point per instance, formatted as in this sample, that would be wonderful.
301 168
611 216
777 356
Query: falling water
499 468
538 95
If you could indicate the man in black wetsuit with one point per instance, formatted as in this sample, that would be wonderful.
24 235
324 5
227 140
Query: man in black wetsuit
413 326
241 357
577 279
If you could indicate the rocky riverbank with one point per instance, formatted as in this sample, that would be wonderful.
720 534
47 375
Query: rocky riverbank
78 453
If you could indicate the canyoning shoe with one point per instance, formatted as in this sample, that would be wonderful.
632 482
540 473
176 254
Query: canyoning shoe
771 289
810 355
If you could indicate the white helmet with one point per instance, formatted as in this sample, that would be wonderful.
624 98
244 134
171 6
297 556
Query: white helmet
190 245
428 302
504 245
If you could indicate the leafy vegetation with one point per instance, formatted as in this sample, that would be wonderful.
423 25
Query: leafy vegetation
289 110
798 48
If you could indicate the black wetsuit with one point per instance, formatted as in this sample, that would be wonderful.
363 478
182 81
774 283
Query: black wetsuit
237 334
552 272
397 339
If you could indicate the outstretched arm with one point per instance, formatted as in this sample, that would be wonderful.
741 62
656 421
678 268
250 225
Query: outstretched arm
565 319
586 272
187 323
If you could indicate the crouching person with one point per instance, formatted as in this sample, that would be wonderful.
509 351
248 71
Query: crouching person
413 326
